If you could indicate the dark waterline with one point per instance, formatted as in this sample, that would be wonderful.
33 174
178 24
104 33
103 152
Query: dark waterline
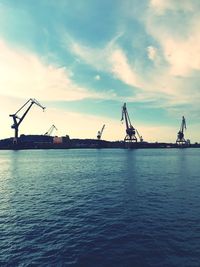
100 208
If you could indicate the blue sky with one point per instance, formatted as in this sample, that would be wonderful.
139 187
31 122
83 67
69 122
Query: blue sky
83 59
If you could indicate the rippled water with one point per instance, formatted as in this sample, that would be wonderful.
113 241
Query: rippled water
100 207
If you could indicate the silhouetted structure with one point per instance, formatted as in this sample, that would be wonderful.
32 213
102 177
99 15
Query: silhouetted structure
130 130
180 136
99 134
50 131
17 120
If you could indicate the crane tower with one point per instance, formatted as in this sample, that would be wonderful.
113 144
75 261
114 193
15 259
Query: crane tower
130 130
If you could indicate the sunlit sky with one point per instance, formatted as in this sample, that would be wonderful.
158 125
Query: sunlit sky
83 59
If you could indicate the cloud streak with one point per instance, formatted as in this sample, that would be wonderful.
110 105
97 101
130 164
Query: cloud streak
25 75
160 83
110 58
175 25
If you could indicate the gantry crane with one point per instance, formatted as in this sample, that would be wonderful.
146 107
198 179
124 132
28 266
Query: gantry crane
99 134
49 132
130 130
180 136
17 120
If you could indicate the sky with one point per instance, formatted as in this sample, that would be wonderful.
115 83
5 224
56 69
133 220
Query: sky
82 59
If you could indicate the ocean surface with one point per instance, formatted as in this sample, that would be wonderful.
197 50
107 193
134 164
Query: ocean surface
106 207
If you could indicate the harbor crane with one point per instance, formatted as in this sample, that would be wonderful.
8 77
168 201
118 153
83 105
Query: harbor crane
130 130
18 120
180 136
99 134
50 131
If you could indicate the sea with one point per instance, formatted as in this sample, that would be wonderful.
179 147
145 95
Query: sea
100 207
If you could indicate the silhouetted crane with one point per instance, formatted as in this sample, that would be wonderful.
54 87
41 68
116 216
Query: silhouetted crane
99 134
130 130
49 132
180 136
17 120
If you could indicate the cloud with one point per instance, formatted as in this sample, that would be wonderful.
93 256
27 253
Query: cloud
161 6
113 60
172 81
110 58
159 85
25 75
121 68
92 56
151 52
176 29
183 55
162 69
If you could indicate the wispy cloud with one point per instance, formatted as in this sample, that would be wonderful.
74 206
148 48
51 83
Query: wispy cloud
25 75
159 83
153 54
174 54
173 49
110 58
121 68
161 6
176 29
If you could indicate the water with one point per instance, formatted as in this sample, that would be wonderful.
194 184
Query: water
100 208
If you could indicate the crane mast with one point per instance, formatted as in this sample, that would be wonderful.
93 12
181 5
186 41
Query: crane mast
180 136
18 120
49 132
130 130
99 134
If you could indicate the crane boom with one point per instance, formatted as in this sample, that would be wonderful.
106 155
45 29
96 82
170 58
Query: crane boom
49 132
99 134
126 116
18 120
183 125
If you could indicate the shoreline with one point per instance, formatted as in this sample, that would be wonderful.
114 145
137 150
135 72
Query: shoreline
49 142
